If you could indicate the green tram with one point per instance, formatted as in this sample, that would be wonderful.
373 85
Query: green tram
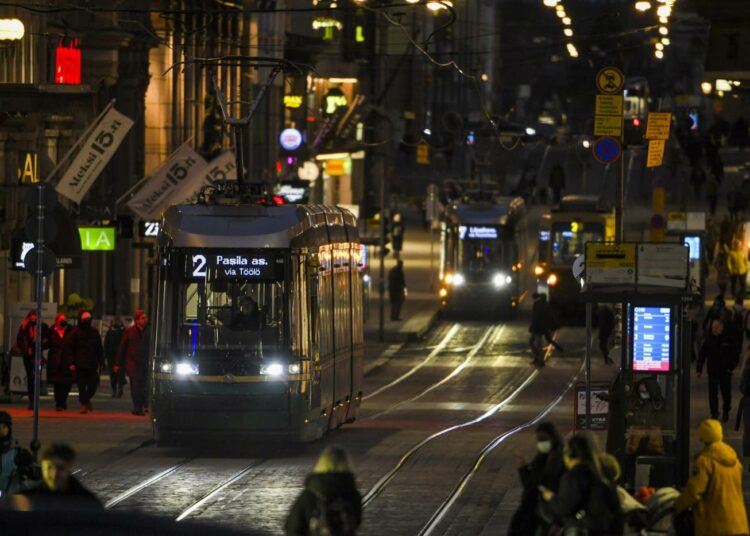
258 323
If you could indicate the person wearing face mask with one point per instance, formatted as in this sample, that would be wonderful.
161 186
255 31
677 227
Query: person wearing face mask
586 503
545 469
721 355
59 363
133 353
88 358
26 344
17 466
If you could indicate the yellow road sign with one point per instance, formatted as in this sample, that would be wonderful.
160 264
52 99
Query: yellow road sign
655 153
608 125
658 124
610 80
608 105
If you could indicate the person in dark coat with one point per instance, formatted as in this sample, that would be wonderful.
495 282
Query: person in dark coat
557 182
542 325
59 363
59 489
111 344
745 409
17 467
721 355
26 344
133 355
717 311
606 327
545 469
330 502
397 289
586 500
397 235
85 347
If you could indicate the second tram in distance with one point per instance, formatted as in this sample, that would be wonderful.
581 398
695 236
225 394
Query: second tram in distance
483 249
563 234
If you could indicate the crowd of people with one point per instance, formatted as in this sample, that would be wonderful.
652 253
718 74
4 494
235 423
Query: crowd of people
77 355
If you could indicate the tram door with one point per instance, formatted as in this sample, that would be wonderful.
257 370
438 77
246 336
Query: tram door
322 381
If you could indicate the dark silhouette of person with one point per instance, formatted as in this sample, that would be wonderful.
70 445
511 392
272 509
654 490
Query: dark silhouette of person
397 235
87 351
26 344
397 289
59 361
557 182
133 355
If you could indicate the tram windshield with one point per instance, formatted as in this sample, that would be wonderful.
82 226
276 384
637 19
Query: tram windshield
484 248
569 239
227 304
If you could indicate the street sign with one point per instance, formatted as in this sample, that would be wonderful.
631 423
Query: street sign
610 80
610 264
607 150
664 265
608 125
658 125
608 105
655 155
97 238
48 261
579 266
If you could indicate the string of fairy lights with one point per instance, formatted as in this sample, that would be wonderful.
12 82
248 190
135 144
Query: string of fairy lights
664 10
567 25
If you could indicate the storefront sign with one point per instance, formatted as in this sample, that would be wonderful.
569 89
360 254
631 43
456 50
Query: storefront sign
290 139
334 100
335 167
97 238
293 101
28 167
68 63
96 153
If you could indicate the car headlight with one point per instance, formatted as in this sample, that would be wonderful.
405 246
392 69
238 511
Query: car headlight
166 367
458 280
500 280
186 369
449 277
552 280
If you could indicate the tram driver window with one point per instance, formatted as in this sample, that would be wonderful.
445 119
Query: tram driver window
569 239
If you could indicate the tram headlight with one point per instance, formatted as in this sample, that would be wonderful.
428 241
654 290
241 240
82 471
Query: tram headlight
458 280
165 367
272 369
294 368
500 280
552 280
186 369
449 278
443 292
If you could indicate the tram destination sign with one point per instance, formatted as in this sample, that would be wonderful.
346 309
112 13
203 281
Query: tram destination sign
233 265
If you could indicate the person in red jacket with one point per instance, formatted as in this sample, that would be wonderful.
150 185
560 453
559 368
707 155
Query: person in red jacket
133 354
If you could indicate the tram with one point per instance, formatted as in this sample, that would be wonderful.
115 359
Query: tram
636 101
258 323
563 234
483 246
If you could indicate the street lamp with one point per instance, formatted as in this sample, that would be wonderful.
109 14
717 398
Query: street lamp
643 6
706 88
551 3
663 30
659 54
11 30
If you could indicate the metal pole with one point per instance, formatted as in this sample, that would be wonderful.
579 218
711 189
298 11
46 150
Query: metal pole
619 224
381 283
587 358
39 331
432 257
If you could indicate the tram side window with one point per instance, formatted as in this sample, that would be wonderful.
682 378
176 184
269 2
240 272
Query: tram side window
543 245
325 304
569 239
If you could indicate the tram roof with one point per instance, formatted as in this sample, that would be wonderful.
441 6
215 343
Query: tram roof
498 211
256 226
571 203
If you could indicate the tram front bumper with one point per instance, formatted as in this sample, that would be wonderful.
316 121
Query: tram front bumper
479 297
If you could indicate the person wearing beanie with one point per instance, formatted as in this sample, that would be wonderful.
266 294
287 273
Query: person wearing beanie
87 352
133 355
714 490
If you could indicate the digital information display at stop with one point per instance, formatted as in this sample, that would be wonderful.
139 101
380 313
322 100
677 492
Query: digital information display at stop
652 340
263 266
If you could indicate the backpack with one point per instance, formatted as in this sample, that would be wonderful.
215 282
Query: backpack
331 517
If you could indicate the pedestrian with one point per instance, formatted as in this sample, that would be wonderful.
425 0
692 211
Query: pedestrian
545 469
737 265
557 182
397 235
59 489
111 344
26 344
88 358
634 513
714 490
59 363
17 468
397 289
712 192
743 410
717 311
721 265
586 502
542 325
606 321
697 179
330 503
133 355
712 238
721 355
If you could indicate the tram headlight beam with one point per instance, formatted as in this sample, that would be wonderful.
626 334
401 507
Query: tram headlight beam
276 369
500 280
185 369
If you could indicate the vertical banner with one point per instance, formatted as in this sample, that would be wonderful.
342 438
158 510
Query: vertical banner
96 153
168 180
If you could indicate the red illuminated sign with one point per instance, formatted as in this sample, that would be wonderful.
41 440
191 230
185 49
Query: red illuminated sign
68 63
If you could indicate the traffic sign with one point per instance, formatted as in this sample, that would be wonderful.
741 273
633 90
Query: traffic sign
31 261
608 105
658 125
609 264
579 265
610 80
655 153
608 125
607 150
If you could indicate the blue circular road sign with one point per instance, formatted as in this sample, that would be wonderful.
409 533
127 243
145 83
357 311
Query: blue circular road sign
607 150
